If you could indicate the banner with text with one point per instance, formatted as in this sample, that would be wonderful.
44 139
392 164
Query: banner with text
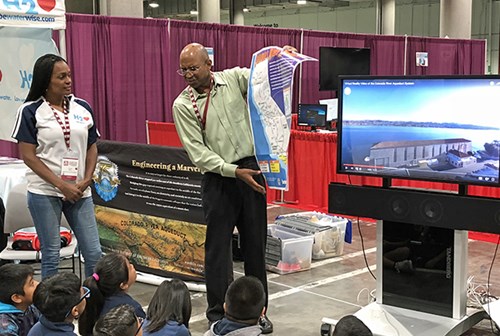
270 108
33 13
148 205
21 47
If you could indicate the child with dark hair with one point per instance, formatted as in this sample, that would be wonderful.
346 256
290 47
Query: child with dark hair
350 325
113 276
119 321
243 306
169 311
61 299
17 314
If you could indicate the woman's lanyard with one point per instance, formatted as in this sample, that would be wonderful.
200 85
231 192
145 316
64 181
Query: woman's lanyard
64 126
195 107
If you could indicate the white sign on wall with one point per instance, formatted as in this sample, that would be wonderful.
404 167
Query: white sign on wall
33 13
422 59
24 46
210 52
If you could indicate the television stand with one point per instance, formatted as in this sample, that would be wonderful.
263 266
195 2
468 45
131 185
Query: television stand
385 320
429 297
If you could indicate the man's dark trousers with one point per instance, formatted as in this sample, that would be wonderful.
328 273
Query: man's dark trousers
230 202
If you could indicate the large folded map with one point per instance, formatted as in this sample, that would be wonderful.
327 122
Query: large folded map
270 108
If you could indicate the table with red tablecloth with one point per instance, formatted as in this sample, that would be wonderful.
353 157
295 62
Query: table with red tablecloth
311 164
312 158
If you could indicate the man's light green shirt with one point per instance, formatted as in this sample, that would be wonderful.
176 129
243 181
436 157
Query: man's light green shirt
227 136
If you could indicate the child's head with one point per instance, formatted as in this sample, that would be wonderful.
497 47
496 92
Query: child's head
350 325
17 285
113 273
170 302
61 297
119 321
245 299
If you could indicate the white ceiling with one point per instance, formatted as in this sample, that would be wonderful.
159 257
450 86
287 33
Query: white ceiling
181 8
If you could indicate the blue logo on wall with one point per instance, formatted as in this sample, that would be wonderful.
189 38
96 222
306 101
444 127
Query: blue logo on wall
106 179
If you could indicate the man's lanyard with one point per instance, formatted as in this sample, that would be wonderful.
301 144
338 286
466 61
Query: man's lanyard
64 126
203 120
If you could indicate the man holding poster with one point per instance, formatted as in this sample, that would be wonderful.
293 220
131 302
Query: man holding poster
213 123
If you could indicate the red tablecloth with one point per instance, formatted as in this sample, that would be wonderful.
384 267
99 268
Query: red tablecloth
162 133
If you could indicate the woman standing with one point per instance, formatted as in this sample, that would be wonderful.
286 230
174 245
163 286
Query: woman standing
57 138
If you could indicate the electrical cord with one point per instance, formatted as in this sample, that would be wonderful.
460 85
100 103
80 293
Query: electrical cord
488 288
364 252
362 241
367 295
390 323
370 295
477 294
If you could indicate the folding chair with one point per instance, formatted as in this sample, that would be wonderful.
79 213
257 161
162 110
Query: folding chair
17 216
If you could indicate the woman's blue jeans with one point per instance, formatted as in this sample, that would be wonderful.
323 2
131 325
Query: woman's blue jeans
46 212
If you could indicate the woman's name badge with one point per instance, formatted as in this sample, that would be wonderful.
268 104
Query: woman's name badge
69 166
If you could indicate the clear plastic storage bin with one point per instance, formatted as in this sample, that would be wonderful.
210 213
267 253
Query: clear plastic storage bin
288 250
328 231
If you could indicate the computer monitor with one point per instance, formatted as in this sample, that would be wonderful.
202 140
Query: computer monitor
313 115
334 62
332 111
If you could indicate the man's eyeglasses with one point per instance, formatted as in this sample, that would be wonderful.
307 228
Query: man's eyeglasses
86 295
141 322
184 71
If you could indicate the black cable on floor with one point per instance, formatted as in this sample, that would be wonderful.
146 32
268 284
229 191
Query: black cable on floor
488 288
364 252
362 241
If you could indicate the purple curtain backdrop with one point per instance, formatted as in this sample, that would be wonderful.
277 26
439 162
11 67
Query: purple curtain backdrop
446 56
8 148
121 66
125 67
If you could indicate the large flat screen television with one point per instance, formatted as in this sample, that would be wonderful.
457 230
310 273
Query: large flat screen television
436 128
334 62
313 115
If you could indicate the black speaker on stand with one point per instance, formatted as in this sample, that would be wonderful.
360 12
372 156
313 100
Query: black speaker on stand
439 209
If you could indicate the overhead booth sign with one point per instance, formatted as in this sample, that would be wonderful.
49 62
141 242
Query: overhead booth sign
148 206
33 13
